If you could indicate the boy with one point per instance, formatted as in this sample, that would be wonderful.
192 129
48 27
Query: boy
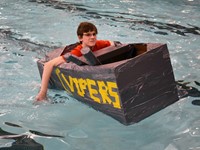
87 35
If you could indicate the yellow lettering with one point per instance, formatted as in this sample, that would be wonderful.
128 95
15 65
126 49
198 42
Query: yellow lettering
59 77
82 85
112 85
70 83
107 90
77 86
103 90
92 91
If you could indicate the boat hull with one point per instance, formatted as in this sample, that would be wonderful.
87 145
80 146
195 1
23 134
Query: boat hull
128 90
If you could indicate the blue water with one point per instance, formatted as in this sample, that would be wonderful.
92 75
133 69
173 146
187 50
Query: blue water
31 28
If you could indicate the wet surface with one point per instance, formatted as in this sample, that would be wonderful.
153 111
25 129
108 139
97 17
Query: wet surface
31 31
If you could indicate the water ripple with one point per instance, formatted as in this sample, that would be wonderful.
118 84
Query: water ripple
134 21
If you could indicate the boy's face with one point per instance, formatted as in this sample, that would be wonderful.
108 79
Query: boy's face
88 39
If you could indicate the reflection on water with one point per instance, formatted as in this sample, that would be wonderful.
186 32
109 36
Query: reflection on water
184 89
122 17
21 142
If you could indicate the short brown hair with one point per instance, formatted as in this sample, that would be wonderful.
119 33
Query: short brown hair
85 27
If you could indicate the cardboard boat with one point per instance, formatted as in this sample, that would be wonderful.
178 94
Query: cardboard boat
129 83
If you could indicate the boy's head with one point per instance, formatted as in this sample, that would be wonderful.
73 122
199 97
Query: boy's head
85 27
87 34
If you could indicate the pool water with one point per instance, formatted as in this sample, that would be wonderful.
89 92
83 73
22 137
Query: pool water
31 28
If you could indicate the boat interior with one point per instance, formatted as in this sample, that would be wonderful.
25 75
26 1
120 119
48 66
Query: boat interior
122 53
110 54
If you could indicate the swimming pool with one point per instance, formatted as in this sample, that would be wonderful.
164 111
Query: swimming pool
30 28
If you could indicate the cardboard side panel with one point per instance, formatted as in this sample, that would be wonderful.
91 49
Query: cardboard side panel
128 90
146 84
92 86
